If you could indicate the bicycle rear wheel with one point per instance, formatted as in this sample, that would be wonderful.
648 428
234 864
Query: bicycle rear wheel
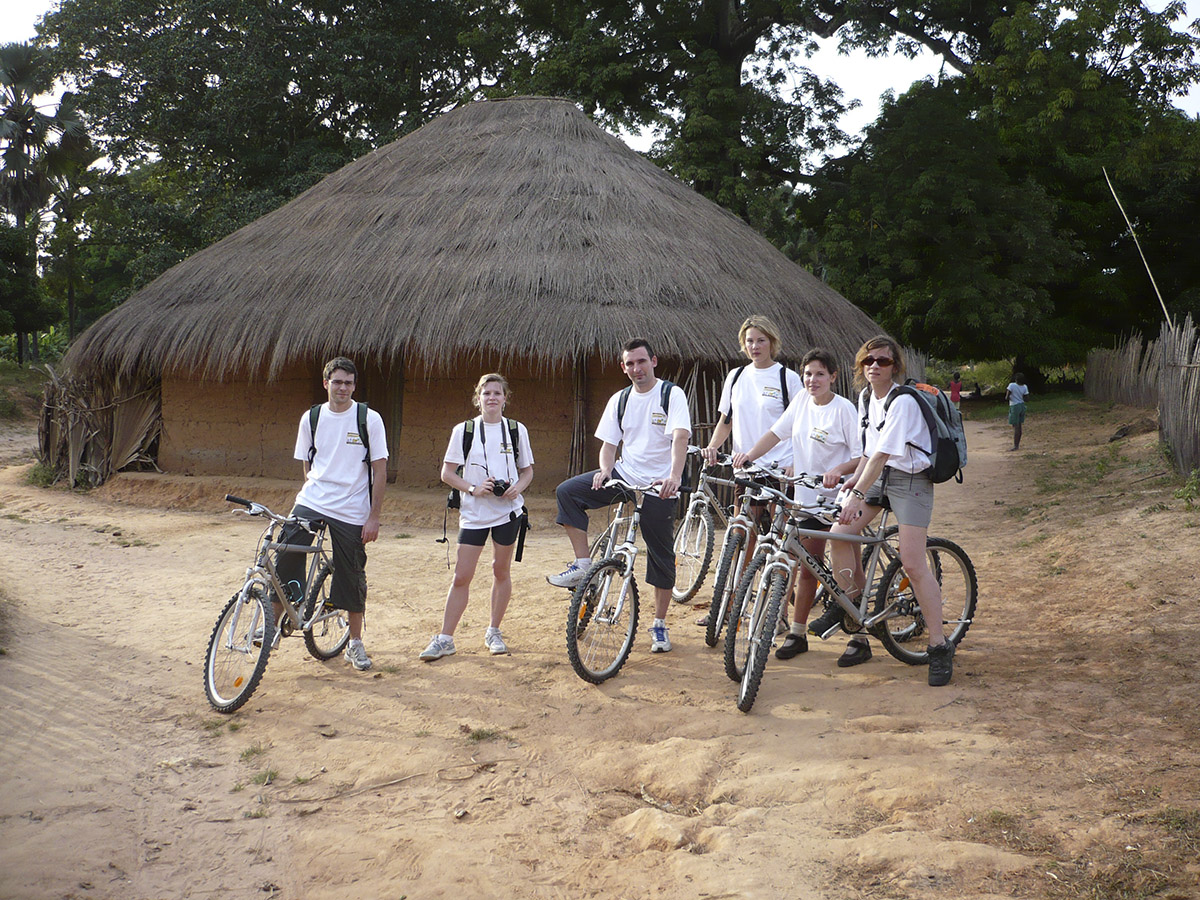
956 575
693 551
328 635
771 596
601 627
239 648
733 554
737 634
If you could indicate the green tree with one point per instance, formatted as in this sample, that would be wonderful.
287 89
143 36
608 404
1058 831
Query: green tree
23 308
32 144
975 219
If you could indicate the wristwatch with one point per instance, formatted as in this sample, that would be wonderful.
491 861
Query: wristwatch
857 493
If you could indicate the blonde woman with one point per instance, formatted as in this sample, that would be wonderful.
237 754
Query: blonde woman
891 471
489 461
753 397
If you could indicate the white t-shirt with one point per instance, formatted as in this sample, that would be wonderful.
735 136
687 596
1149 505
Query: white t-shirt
1017 393
903 428
756 403
491 454
336 485
822 437
648 429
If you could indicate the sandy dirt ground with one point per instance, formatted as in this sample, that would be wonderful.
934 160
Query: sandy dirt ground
1062 761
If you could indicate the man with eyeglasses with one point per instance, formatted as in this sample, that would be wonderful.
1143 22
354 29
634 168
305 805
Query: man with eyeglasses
343 486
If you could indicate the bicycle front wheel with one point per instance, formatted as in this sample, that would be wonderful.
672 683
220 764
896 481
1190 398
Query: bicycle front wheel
772 595
729 567
737 634
955 573
693 551
327 636
601 624
238 649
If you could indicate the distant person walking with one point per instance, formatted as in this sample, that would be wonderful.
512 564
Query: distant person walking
955 390
1015 393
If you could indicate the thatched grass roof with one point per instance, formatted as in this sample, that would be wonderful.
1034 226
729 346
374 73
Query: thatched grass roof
511 227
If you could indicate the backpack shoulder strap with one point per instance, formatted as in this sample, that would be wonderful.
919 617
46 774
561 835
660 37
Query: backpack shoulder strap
514 440
783 388
665 397
313 415
621 404
468 437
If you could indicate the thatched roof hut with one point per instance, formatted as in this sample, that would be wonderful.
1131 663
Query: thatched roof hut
510 233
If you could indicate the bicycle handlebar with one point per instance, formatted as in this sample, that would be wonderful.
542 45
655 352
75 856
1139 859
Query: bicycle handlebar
233 499
622 483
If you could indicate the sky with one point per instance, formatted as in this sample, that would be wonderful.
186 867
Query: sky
858 75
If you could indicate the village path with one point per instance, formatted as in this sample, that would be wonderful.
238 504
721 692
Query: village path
1066 731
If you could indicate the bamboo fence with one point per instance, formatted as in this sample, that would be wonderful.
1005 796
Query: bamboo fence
1165 374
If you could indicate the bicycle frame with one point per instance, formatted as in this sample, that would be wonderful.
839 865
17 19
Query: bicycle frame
627 549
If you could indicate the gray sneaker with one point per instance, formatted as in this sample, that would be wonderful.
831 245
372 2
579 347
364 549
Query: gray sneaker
495 642
568 577
437 649
356 655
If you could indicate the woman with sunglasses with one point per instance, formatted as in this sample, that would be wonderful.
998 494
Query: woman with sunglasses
892 470
493 474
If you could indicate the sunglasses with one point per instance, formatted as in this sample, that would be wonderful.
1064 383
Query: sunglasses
881 361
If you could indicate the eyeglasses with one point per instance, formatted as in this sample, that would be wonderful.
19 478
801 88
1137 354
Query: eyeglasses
882 361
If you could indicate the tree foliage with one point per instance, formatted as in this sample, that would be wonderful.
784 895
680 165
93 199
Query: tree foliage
975 218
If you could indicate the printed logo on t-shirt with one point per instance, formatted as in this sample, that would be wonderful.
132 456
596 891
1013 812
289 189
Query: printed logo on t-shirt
820 435
772 393
659 418
352 437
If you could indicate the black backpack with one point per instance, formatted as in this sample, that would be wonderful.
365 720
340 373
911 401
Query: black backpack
947 440
315 413
664 398
454 498
783 388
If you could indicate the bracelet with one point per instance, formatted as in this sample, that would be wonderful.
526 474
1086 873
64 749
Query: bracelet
857 493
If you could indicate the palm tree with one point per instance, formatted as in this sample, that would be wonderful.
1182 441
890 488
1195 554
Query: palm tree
32 144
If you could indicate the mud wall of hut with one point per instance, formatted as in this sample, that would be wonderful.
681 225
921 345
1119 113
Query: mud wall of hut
241 427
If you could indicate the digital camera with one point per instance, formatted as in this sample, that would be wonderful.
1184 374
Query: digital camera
499 487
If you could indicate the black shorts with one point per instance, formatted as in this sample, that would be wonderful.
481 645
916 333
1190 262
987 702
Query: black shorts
505 535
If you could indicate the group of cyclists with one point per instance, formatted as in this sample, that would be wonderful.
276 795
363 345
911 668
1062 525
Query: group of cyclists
772 415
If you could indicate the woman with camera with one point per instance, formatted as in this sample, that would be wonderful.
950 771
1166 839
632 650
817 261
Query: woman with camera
489 462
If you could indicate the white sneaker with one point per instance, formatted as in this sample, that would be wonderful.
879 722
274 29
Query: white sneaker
568 577
356 655
494 642
437 649
660 642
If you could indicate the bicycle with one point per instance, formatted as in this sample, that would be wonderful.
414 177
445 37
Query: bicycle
246 631
888 609
733 550
603 615
695 532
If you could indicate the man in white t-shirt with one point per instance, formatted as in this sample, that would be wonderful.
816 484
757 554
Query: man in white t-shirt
654 449
339 490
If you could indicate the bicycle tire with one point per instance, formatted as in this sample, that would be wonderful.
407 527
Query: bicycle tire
733 554
693 552
328 636
599 639
234 662
737 632
960 587
763 620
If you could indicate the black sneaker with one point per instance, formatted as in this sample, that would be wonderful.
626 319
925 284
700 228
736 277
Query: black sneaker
829 621
857 653
793 645
941 664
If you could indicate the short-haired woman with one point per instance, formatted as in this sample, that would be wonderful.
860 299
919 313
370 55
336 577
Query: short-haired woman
494 474
892 467
824 432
